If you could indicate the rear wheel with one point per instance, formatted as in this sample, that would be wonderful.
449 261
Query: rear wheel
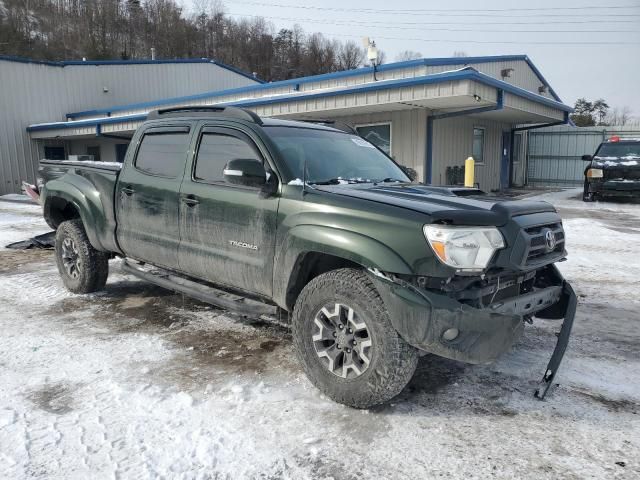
83 269
344 338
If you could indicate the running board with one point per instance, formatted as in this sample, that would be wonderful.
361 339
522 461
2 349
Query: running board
204 293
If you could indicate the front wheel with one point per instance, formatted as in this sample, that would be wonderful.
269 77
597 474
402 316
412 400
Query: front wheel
344 338
83 268
587 196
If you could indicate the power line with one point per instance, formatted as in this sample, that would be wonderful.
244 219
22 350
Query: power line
498 42
405 25
463 12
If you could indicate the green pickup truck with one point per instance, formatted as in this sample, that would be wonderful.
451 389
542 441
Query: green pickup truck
310 222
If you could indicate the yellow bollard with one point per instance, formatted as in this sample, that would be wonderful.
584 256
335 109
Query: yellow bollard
469 171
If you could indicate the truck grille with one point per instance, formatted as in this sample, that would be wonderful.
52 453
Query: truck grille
538 251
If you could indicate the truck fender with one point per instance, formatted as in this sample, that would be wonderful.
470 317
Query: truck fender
351 246
89 207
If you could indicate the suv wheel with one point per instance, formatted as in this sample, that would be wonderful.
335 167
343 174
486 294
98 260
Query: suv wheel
587 196
83 268
344 338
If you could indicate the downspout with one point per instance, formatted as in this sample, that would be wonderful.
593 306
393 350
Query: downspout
428 165
565 121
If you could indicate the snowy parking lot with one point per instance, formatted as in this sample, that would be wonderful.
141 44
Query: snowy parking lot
138 382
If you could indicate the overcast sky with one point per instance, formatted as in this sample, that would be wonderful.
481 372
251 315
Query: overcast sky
584 48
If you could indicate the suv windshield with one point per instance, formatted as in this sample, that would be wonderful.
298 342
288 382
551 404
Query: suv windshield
618 150
332 157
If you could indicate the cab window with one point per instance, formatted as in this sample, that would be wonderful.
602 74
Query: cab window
216 150
163 154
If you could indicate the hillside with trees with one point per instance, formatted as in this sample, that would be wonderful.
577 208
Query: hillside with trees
129 29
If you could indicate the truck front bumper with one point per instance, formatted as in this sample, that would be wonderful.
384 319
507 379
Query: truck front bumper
617 188
425 320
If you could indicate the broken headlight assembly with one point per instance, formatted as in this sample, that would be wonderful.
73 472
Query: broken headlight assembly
467 249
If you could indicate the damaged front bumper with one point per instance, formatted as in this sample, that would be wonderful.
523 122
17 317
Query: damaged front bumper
477 335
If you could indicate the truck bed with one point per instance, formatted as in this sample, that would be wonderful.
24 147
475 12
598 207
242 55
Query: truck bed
96 182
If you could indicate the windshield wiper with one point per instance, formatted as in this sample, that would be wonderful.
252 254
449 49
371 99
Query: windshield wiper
390 180
339 181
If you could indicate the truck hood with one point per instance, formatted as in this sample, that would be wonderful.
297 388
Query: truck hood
455 205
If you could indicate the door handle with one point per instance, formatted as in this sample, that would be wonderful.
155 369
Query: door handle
190 200
128 190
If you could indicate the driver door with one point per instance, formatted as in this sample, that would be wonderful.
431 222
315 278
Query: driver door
227 231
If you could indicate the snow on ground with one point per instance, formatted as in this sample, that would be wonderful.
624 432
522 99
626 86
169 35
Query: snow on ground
137 382
20 219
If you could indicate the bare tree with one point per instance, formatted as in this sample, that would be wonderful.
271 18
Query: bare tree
460 53
408 55
620 116
350 56
128 29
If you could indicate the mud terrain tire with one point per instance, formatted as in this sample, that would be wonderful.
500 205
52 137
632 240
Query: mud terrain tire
391 361
83 268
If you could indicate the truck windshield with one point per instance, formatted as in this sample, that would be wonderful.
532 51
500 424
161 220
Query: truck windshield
612 151
332 157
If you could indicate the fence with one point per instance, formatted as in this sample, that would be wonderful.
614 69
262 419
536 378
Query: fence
554 155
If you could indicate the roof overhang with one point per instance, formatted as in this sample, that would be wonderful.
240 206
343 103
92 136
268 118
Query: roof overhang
442 92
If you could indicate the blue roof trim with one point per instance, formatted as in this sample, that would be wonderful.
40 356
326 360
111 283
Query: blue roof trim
317 78
85 123
407 82
467 74
541 77
94 63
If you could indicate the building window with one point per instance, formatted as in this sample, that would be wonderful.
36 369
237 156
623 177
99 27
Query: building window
379 134
517 147
94 152
54 153
478 145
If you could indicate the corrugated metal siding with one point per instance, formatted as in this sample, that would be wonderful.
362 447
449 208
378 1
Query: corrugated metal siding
554 154
522 77
452 145
32 93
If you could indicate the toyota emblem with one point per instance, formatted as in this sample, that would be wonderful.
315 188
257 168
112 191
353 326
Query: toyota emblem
550 239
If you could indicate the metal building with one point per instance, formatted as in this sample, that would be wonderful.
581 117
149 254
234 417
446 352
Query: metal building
429 114
32 92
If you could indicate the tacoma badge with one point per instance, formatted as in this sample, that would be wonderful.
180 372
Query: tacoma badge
235 243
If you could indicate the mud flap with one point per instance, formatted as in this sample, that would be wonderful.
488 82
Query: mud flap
561 345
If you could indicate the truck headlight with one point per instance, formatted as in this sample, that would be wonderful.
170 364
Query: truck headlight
464 248
594 173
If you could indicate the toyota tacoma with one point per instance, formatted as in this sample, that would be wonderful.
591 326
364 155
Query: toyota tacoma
310 222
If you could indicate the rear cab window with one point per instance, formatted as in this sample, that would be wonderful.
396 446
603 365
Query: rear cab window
162 152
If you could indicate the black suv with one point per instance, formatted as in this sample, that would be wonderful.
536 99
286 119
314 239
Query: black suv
614 170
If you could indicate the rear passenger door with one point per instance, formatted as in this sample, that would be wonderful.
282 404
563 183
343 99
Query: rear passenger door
228 231
147 203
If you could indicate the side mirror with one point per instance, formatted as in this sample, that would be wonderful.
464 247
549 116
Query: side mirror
587 158
245 171
409 172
